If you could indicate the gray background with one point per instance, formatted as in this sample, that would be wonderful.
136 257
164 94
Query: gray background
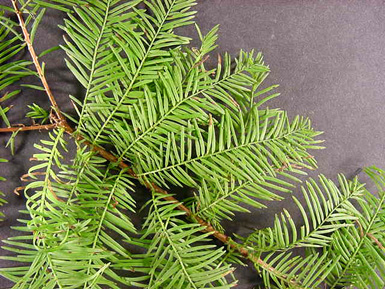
327 56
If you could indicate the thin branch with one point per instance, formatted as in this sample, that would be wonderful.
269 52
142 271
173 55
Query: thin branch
370 236
376 241
36 62
201 61
25 128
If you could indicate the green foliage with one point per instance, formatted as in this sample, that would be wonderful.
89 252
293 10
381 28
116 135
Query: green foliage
302 272
220 200
36 112
327 205
63 232
136 42
350 238
361 244
176 256
176 121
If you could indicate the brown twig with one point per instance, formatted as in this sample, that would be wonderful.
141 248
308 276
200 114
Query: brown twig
370 235
201 61
25 128
35 60
379 244
62 122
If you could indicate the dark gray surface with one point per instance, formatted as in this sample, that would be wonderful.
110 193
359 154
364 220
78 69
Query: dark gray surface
328 57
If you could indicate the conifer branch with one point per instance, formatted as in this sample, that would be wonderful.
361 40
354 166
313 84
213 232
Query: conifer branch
62 122
236 133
